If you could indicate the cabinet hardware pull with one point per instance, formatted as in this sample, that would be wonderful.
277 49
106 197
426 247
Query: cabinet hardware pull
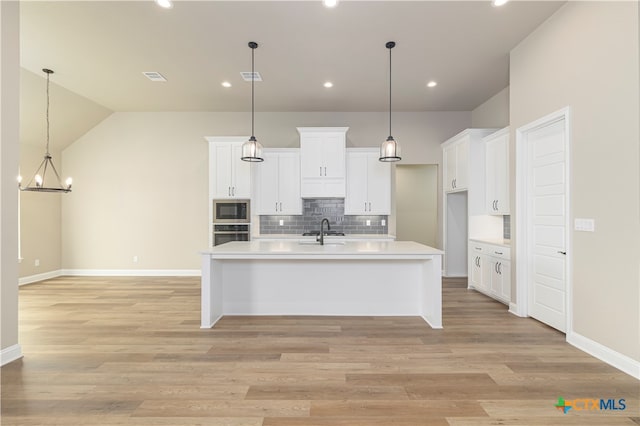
276 206
562 252
498 252
320 170
369 206
229 191
280 206
496 268
496 205
325 171
233 190
500 268
479 248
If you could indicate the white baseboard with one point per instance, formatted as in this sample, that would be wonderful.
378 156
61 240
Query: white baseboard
132 272
603 353
10 354
39 277
110 273
513 309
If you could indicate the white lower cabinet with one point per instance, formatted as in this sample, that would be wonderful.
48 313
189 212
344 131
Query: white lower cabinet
490 267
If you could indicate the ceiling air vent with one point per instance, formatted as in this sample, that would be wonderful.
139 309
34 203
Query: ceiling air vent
154 76
246 76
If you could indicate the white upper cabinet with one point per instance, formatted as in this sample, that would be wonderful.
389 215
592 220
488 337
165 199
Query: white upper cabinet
497 172
368 183
278 183
456 161
229 176
322 161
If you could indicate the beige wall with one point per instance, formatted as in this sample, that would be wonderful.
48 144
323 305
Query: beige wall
40 222
140 179
9 152
586 57
494 113
417 203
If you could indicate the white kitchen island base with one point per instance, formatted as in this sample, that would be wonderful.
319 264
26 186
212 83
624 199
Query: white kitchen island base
288 278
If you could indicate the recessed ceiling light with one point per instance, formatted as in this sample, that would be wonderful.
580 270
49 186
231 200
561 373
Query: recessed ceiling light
499 2
328 84
432 84
330 3
226 84
166 4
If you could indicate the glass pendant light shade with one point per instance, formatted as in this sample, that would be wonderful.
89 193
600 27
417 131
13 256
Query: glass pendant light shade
252 151
390 150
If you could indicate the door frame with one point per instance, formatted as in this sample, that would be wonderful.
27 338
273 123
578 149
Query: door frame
522 223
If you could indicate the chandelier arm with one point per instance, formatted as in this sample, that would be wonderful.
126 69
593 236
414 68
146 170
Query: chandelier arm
54 171
43 163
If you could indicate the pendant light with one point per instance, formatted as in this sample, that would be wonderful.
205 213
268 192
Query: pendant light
252 149
390 150
39 181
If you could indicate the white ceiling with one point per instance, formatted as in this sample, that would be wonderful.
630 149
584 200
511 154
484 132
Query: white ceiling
100 49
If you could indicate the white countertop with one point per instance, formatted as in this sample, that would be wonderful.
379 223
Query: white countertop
327 237
495 241
256 249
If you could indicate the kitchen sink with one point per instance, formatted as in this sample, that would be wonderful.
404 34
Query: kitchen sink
317 243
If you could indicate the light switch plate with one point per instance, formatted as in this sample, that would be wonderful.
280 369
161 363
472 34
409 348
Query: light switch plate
368 222
585 225
281 222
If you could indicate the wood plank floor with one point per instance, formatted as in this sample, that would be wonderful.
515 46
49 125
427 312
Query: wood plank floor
129 351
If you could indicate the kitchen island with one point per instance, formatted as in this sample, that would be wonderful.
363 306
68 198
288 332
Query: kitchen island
364 278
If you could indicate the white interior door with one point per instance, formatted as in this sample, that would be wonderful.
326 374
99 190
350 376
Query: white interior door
546 233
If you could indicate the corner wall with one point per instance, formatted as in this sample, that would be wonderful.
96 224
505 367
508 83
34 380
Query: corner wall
9 153
586 57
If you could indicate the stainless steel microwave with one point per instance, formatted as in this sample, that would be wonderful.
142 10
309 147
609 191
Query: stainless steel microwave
231 211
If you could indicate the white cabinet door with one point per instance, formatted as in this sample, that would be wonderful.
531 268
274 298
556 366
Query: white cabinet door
379 185
334 155
450 168
231 176
462 165
322 161
497 172
222 170
368 183
476 271
355 201
311 158
279 183
241 173
505 275
268 185
456 161
290 202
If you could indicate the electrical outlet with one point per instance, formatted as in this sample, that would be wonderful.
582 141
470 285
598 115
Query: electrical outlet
281 222
37 262
383 222
586 225
135 259
368 222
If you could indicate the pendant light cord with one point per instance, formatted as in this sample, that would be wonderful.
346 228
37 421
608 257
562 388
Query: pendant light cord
47 153
253 77
390 92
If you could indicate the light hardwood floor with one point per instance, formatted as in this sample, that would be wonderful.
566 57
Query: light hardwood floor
129 351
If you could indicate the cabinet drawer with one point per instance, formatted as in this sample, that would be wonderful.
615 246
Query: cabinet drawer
478 248
500 252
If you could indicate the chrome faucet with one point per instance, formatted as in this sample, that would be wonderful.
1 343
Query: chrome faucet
321 236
